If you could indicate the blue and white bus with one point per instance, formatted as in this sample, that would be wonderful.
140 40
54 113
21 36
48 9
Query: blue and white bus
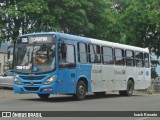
58 63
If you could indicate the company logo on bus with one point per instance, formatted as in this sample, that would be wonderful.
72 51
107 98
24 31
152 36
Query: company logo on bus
147 73
96 71
121 72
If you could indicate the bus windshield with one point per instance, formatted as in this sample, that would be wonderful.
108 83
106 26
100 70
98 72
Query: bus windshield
34 58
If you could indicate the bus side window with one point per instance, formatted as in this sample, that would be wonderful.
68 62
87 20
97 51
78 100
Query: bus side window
139 59
146 60
82 53
119 56
130 58
66 55
107 55
94 54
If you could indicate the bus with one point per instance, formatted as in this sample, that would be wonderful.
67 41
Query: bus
58 63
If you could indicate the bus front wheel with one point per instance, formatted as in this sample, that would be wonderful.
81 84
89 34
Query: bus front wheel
43 96
80 91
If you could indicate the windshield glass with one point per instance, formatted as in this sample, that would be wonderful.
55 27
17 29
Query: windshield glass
35 58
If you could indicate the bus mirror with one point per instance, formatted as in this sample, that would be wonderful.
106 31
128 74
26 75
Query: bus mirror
8 54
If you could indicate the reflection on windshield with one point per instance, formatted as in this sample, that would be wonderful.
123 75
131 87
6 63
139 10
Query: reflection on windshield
35 58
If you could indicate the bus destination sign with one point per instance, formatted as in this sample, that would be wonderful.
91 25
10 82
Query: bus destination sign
36 39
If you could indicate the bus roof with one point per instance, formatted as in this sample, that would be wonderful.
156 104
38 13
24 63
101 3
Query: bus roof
93 41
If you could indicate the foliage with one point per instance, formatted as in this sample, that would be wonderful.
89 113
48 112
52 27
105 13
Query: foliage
133 22
8 64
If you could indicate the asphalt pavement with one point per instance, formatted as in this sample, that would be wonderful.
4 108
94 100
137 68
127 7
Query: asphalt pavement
9 101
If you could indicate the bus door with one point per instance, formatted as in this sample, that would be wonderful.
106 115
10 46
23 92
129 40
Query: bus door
67 68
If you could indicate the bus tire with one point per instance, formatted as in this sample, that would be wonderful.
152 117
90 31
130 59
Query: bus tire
44 96
129 91
80 91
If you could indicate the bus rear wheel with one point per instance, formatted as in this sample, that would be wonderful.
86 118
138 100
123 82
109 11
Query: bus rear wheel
44 96
129 91
80 91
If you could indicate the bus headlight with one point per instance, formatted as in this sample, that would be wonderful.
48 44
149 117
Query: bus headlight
17 81
50 80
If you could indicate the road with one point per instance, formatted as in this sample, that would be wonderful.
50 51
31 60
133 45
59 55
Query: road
10 101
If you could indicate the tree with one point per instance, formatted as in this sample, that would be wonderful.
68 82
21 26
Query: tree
130 22
19 17
103 19
8 64
139 23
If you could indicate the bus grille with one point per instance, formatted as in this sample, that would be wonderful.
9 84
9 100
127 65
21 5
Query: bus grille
32 88
32 77
33 83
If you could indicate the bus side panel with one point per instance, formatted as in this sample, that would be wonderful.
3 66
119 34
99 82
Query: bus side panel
139 80
130 73
66 81
84 72
147 78
96 78
119 76
108 77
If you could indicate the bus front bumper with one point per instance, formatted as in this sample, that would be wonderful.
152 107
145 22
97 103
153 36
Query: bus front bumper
43 89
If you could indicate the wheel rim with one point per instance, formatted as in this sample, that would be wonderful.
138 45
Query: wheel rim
81 90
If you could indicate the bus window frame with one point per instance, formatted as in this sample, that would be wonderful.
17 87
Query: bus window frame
113 60
78 52
142 60
66 65
89 53
148 61
123 57
133 58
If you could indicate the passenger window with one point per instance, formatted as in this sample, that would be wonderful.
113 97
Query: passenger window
82 53
66 55
146 60
119 56
94 54
107 55
130 58
139 59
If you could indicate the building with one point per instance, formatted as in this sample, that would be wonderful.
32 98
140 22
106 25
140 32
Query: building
3 56
3 60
